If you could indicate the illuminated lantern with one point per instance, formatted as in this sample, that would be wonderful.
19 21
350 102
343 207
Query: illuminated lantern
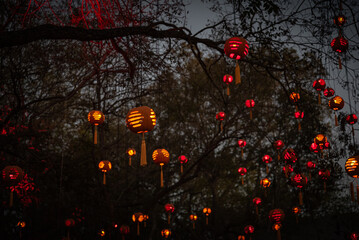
324 174
236 48
277 227
249 230
166 233
339 20
145 218
340 45
220 117
124 230
250 104
276 216
102 232
310 166
329 92
294 98
207 211
137 218
183 159
21 224
299 115
96 118
296 210
12 175
193 218
319 85
351 119
267 159
354 236
352 169
320 140
289 155
314 147
169 208
299 181
287 169
130 152
242 143
227 79
241 237
141 120
69 223
105 166
257 201
265 184
279 144
161 157
242 171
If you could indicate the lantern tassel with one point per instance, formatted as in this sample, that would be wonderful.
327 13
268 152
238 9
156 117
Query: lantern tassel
169 219
162 177
206 220
143 151
181 168
299 126
336 119
221 126
228 90
104 178
352 191
267 169
11 198
358 194
300 198
237 73
325 186
340 62
250 114
242 180
129 162
95 135
242 153
278 235
138 228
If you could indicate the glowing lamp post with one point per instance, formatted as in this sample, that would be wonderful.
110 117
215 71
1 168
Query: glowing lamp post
169 208
227 79
267 159
105 166
96 118
242 171
193 218
207 212
161 157
130 152
12 175
220 117
236 48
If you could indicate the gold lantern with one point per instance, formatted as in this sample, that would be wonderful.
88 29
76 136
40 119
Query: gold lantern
193 218
352 169
141 120
296 210
207 211
96 118
105 166
166 233
137 218
130 152
336 103
161 157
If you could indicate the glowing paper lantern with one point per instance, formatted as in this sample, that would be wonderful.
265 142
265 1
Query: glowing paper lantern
299 115
236 48
193 218
161 157
96 118
310 166
21 224
265 184
294 98
314 147
105 166
183 160
249 230
319 85
130 152
166 233
207 211
354 236
324 174
321 140
257 201
241 237
296 210
267 159
137 218
339 20
141 120
352 169
250 104
289 155
242 143
351 119
329 92
227 79
339 45
299 181
169 208
12 175
145 218
124 230
69 223
220 117
287 169
279 144
242 171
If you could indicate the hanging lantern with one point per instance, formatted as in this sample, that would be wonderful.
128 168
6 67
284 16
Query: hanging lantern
250 104
105 166
310 166
145 218
265 184
236 48
169 208
69 222
130 152
227 79
351 119
352 169
354 236
242 171
340 45
249 230
289 155
161 157
124 230
299 115
96 118
329 92
296 210
220 117
339 20
294 98
207 211
166 233
257 201
267 159
276 216
183 160
242 143
193 218
141 120
287 169
320 140
137 218
299 181
314 147
12 175
241 237
21 224
324 174
319 85
279 144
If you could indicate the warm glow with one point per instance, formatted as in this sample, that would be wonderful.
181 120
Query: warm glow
193 217
21 224
265 182
137 217
141 119
220 116
227 79
105 166
277 226
296 210
242 143
236 48
166 233
319 85
102 233
257 201
351 166
207 211
267 159
131 152
96 117
169 208
183 159
279 144
294 97
249 229
161 156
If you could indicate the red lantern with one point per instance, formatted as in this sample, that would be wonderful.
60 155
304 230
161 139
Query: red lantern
340 45
296 210
161 157
289 155
169 208
12 175
276 215
336 103
279 144
351 119
267 159
242 171
299 181
324 174
183 159
249 229
220 117
124 230
299 115
241 237
339 20
354 236
104 166
287 169
314 147
236 48
250 104
257 201
227 79
319 85
310 166
69 222
329 92
96 118
242 143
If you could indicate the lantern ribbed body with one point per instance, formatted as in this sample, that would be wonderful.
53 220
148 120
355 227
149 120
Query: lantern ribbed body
137 217
352 166
169 208
319 84
329 92
336 103
12 175
236 48
351 119
183 159
294 97
276 215
105 166
161 156
289 155
339 44
299 180
141 119
96 117
249 229
220 116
